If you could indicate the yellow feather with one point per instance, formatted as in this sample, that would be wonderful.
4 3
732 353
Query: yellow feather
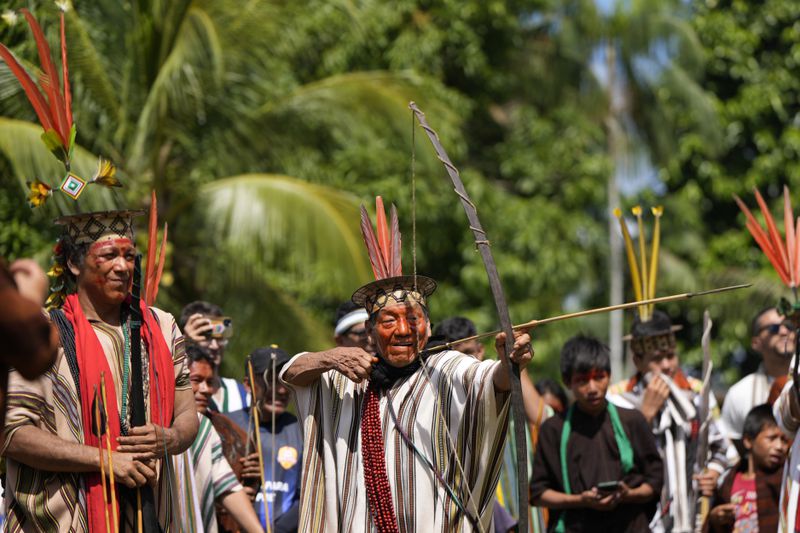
105 174
644 312
631 254
657 212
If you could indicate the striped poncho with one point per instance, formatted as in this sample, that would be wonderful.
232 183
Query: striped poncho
38 500
204 477
459 399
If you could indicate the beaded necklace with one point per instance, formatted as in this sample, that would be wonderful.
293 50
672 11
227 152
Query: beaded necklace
126 364
379 494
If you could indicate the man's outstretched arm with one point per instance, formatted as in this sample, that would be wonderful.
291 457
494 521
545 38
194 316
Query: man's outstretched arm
304 369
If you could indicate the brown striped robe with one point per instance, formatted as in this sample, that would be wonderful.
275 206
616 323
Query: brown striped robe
37 500
459 399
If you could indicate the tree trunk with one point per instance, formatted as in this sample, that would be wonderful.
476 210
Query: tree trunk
616 291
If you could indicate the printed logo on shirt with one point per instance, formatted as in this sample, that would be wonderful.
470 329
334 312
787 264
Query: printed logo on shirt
287 457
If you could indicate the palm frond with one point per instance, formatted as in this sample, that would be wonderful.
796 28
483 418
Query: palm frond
266 221
87 64
192 68
364 105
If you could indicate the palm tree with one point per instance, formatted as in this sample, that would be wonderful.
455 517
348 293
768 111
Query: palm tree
629 65
198 99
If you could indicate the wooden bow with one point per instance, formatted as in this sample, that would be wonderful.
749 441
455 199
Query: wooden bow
482 244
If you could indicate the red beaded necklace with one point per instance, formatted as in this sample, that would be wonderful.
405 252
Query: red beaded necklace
379 494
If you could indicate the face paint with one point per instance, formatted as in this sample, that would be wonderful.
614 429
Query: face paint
107 271
594 374
589 390
401 331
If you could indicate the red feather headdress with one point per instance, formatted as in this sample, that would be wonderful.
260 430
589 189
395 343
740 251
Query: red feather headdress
52 102
384 249
782 251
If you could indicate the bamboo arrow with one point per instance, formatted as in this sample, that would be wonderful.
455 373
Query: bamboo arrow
596 311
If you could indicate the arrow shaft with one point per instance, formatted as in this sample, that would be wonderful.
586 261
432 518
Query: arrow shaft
596 311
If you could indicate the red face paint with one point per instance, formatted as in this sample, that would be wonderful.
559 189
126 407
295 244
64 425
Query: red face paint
107 271
589 390
595 374
402 331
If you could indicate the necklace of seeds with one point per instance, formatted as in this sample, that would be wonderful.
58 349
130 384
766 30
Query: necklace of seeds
126 360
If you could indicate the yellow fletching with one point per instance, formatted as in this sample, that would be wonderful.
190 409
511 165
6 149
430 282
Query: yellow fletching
644 269
631 254
657 212
643 312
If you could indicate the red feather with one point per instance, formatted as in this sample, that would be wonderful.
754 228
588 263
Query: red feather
65 78
395 265
31 90
797 251
776 262
156 279
373 248
774 235
152 236
383 233
762 240
50 80
791 244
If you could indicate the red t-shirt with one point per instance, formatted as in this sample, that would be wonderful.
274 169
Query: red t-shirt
743 496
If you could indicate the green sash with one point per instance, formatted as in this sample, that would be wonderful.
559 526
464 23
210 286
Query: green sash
623 444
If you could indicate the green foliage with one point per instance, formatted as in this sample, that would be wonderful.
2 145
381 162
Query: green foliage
753 52
263 124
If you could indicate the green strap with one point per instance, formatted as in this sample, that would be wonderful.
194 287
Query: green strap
623 444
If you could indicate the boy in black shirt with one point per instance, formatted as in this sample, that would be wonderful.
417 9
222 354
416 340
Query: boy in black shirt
597 467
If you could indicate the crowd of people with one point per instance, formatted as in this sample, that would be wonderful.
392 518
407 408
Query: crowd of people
116 417
398 427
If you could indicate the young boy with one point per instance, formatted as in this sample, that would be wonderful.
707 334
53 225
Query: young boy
748 499
597 467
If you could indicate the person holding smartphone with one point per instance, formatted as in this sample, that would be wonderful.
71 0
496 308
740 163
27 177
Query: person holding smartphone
205 325
596 467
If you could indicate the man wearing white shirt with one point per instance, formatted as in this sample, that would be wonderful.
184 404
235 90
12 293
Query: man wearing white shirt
774 340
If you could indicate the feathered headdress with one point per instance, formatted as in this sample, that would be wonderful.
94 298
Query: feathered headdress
781 250
644 272
52 101
652 330
384 249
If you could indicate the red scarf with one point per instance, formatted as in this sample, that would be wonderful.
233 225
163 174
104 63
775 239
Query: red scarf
91 361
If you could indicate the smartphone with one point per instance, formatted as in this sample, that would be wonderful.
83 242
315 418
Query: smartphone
221 327
608 487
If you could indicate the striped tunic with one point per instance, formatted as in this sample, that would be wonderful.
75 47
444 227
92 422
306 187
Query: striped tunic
211 478
790 487
38 500
459 399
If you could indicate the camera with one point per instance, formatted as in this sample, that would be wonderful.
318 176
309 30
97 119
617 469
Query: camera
221 327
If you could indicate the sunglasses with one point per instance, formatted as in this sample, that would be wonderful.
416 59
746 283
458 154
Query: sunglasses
773 329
